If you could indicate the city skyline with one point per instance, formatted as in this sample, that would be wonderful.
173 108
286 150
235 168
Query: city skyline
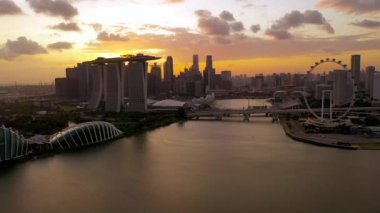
247 37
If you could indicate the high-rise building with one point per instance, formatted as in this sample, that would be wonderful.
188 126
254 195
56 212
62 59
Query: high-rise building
195 66
376 86
181 85
98 87
369 80
169 74
355 68
154 80
83 81
137 83
340 87
113 89
71 73
209 74
68 88
209 63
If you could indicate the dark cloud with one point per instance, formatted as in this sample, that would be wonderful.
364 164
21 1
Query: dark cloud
222 29
279 34
104 36
57 8
21 46
213 26
227 16
255 28
71 26
61 45
244 47
237 26
371 24
8 7
280 29
351 6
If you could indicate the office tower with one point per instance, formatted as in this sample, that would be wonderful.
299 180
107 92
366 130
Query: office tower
376 86
355 68
96 73
154 80
209 74
169 74
369 81
209 63
156 70
195 66
113 92
137 83
340 87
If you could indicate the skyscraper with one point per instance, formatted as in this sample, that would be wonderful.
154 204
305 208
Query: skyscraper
369 80
209 74
154 80
376 86
209 63
83 81
168 74
340 87
137 84
195 66
355 68
98 87
113 93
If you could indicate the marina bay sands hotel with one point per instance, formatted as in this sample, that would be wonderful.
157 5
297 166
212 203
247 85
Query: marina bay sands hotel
108 81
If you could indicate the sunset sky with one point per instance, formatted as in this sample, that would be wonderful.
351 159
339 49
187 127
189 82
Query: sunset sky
40 38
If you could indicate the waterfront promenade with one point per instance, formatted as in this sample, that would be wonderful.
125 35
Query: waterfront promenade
352 142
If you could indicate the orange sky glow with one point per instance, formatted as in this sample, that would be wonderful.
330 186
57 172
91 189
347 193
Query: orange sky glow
40 39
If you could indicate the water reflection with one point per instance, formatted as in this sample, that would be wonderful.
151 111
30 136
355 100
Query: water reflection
197 166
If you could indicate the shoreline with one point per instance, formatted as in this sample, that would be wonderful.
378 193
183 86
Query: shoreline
292 132
38 154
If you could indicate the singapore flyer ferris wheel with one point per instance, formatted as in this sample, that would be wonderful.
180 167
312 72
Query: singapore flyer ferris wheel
344 111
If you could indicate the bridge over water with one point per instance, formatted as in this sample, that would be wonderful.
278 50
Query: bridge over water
246 113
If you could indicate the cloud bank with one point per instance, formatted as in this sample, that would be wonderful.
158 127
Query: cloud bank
21 46
280 29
